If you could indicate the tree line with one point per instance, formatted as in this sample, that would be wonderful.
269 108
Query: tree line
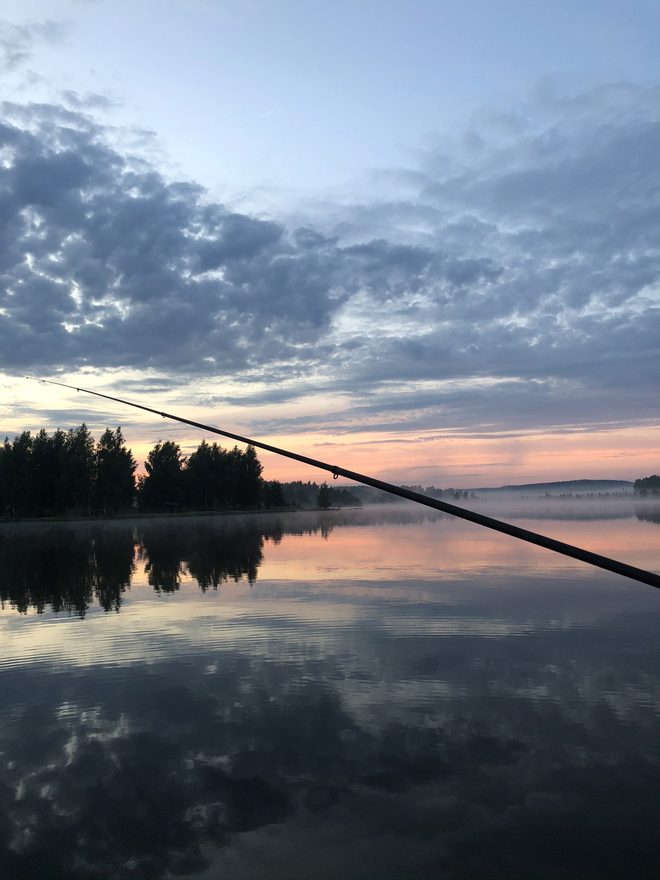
647 485
311 494
68 472
211 478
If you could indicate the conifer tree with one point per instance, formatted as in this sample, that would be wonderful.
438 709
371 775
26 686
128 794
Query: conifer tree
115 468
80 469
162 486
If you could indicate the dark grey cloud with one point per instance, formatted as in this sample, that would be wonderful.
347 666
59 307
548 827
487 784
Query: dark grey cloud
107 263
512 279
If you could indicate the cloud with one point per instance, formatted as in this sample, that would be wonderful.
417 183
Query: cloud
510 280
88 102
17 41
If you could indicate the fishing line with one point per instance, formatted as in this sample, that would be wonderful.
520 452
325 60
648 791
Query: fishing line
489 522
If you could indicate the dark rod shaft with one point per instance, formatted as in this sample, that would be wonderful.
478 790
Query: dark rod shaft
622 568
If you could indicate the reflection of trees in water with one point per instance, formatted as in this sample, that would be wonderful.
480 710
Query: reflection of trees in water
216 550
65 569
161 551
68 568
210 554
648 514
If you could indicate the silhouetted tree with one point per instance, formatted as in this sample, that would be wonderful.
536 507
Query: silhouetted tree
273 495
6 501
115 467
162 486
17 461
217 478
648 485
299 494
3 501
343 497
69 471
248 485
47 473
225 476
80 469
201 477
324 499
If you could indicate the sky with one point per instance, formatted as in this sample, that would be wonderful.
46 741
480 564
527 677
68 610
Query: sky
417 239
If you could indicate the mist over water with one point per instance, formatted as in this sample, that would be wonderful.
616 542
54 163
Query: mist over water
383 692
563 506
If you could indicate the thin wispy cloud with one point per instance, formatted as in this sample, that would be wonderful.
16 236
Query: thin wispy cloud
17 42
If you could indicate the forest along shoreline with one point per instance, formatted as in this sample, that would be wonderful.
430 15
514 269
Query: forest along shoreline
69 476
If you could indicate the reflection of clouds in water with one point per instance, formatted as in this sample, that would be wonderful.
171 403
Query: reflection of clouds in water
459 753
286 620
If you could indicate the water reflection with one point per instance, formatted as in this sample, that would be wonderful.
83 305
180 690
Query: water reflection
65 569
498 722
529 765
211 555
649 513
70 568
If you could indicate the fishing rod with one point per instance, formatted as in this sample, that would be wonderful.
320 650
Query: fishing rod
489 522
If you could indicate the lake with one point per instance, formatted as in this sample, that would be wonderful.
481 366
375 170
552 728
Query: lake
386 693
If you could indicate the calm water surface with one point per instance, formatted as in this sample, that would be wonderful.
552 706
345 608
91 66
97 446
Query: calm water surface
380 694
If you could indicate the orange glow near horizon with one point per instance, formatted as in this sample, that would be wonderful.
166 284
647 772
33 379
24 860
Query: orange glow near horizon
469 461
461 459
622 454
